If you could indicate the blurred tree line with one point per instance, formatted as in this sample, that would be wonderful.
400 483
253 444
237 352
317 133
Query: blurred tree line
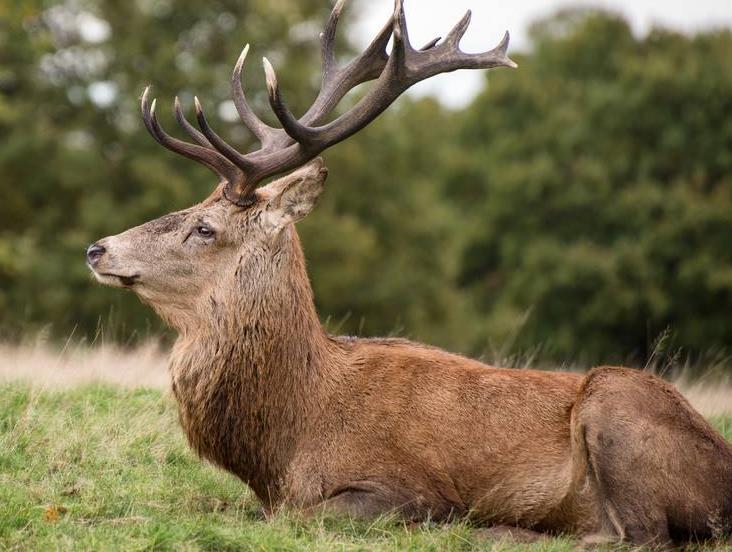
578 208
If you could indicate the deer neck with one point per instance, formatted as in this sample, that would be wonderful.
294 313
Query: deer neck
248 384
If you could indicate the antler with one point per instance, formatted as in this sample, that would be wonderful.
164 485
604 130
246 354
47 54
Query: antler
300 140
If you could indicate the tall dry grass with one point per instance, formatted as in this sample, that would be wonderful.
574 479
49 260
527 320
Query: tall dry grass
42 365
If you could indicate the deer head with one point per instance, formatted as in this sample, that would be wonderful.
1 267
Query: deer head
180 262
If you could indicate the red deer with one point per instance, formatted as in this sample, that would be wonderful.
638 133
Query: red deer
363 427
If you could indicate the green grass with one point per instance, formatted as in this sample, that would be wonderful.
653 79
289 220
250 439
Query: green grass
101 468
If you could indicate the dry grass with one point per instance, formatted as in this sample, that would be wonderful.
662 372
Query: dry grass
708 398
42 365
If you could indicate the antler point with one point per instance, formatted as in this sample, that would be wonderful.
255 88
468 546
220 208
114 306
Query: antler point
398 9
269 74
504 41
240 62
339 6
242 56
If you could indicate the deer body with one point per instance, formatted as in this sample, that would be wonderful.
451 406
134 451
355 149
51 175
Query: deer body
302 416
368 427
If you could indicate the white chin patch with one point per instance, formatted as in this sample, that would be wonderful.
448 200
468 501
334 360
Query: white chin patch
108 280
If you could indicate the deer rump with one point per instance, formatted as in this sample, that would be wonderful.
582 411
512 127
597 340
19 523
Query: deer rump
366 427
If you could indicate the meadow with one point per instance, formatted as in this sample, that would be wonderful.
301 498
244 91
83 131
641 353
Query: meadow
92 458
574 209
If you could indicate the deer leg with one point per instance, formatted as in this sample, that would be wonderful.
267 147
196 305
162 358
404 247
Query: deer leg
368 500
621 452
356 504
661 472
629 512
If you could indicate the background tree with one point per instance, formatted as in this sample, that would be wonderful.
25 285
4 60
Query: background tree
76 162
599 177
579 207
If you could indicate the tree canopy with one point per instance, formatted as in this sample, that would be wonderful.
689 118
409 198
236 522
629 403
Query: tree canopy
579 206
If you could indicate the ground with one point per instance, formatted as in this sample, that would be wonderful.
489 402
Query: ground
96 466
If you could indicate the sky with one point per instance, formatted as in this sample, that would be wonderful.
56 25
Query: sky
427 19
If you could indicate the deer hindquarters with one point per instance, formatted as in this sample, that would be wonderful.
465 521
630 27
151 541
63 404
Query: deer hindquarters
661 472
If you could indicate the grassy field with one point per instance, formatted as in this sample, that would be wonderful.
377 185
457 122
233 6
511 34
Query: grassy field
96 466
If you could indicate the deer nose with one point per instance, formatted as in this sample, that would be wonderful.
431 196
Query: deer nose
94 252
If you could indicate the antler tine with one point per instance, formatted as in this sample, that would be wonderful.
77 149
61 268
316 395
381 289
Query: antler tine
260 129
208 157
338 82
192 131
494 58
293 128
327 38
374 58
225 149
431 44
450 58
458 31
402 46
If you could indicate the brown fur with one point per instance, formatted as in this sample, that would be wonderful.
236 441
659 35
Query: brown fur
364 427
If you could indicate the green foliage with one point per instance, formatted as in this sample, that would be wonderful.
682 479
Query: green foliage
582 203
383 243
599 176
75 167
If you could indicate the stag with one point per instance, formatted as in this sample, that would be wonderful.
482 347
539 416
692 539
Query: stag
364 427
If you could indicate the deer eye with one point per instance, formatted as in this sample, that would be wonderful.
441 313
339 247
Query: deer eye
205 231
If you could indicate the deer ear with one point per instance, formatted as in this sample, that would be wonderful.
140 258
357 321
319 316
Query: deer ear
295 195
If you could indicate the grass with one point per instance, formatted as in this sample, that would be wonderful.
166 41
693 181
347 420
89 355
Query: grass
95 466
107 468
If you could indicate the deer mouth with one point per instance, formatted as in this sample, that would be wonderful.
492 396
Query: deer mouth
116 280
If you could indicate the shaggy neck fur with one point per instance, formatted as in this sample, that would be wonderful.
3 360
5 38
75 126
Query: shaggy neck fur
246 384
